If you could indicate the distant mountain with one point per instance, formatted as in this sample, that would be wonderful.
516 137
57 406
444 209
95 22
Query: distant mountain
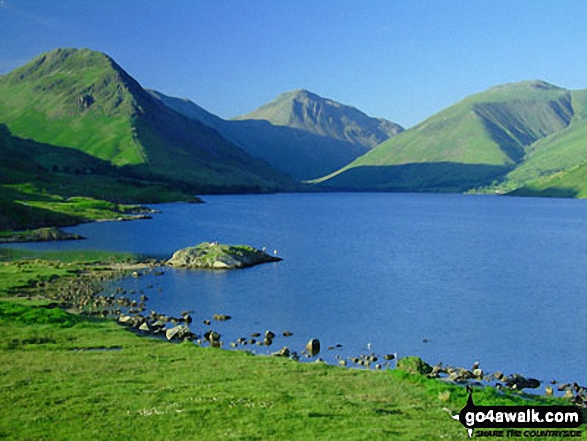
299 133
307 111
471 144
83 100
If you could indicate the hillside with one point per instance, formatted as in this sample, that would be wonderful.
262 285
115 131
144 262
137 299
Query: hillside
42 185
299 133
81 99
470 144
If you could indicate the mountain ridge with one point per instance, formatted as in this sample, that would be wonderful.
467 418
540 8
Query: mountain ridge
302 152
498 128
308 111
82 99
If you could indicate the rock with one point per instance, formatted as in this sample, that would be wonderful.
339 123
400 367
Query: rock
414 365
212 336
283 352
313 347
219 257
125 320
389 356
269 334
287 334
221 317
177 332
518 382
144 327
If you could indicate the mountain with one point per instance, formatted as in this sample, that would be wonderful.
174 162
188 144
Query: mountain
307 111
299 133
476 142
83 100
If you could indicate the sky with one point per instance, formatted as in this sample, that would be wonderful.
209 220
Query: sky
399 60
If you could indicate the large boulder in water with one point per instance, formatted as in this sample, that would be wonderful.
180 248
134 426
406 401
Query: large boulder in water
211 255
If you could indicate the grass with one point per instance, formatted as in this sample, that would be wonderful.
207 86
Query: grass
68 377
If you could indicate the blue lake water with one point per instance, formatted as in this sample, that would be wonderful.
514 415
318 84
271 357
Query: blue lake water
492 279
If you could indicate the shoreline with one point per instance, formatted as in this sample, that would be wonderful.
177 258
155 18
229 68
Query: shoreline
127 312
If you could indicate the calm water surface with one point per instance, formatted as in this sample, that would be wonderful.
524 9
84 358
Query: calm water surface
450 278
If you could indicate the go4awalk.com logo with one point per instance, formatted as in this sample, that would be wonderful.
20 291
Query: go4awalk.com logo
508 421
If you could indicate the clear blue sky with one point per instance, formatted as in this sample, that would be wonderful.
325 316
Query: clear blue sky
401 60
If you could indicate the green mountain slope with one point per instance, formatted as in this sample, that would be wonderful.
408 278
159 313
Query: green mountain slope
467 145
302 134
563 150
83 100
44 185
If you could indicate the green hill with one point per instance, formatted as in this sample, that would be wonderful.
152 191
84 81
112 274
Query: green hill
299 133
470 144
81 99
43 185
553 165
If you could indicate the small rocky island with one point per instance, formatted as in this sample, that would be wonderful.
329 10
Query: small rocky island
39 235
215 256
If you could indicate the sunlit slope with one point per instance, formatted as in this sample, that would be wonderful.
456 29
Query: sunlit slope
82 99
44 185
565 150
467 145
298 133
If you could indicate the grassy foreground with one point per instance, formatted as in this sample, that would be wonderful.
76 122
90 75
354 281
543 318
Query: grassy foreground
64 376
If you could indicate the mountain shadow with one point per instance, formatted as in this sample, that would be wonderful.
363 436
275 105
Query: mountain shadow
421 177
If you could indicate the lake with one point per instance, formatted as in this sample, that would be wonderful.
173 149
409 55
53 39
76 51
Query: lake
452 278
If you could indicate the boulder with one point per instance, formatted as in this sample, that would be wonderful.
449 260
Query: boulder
283 352
414 365
211 255
518 382
313 347
212 336
177 332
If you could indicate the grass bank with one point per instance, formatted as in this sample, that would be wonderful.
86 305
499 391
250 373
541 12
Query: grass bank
64 376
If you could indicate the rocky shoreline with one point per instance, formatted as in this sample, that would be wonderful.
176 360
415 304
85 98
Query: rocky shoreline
85 295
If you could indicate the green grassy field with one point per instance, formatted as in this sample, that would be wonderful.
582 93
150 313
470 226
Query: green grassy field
66 377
